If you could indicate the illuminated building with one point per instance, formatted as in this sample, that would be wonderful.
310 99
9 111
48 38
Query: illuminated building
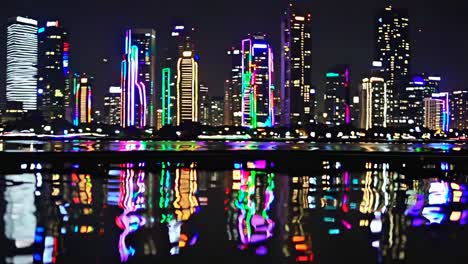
437 112
393 51
82 96
338 96
181 40
21 62
216 111
228 109
187 88
53 83
412 100
204 108
138 73
374 103
112 106
297 93
459 110
257 82
235 86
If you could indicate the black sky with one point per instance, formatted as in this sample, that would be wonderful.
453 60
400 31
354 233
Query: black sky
342 33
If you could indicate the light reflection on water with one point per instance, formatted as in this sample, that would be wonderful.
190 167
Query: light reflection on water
127 213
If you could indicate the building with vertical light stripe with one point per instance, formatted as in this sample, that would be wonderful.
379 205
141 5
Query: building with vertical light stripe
187 88
83 99
297 95
53 82
257 82
374 103
459 110
138 73
393 51
112 106
235 87
22 51
437 112
338 96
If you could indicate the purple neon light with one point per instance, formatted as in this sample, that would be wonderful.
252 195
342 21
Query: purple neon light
270 87
347 108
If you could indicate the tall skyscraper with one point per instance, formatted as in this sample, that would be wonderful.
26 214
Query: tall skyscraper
181 39
297 94
257 82
216 111
187 88
112 106
393 51
21 77
83 99
236 86
374 103
338 96
459 110
228 109
412 99
53 82
204 105
138 73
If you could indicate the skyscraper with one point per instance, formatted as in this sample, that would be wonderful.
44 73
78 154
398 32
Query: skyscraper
216 111
187 88
236 85
204 105
54 91
257 82
436 112
112 106
459 110
412 99
338 96
393 51
181 39
138 73
228 109
297 94
83 99
374 103
21 77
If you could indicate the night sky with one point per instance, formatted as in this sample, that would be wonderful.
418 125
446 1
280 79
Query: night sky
342 33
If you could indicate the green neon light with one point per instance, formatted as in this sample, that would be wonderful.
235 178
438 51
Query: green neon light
166 93
332 75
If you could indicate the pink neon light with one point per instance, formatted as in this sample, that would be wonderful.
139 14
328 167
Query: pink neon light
347 108
89 104
270 86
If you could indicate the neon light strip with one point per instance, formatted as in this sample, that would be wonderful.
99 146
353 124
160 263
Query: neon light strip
89 104
347 95
166 94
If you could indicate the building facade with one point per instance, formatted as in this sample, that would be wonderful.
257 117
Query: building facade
112 106
138 73
297 94
235 87
436 112
412 99
393 50
53 82
338 96
187 88
374 103
21 62
257 82
459 110
216 113
204 105
83 99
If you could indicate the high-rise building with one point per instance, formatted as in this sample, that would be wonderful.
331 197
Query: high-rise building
112 106
374 103
83 99
412 99
53 82
181 38
204 105
187 88
257 82
393 51
216 111
459 110
21 68
138 73
338 96
227 113
297 94
436 112
236 86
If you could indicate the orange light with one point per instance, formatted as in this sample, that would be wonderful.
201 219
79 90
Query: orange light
296 239
301 247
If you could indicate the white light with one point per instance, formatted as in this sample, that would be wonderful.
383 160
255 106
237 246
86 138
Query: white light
179 27
187 54
377 64
434 78
84 80
24 166
52 24
260 46
26 20
300 18
115 90
236 52
175 34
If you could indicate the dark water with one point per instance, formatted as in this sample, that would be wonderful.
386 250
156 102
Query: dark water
246 214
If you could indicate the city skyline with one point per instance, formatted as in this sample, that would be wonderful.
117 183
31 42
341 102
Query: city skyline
431 56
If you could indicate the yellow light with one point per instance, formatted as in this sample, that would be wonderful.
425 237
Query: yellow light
300 18
84 80
455 216
187 54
